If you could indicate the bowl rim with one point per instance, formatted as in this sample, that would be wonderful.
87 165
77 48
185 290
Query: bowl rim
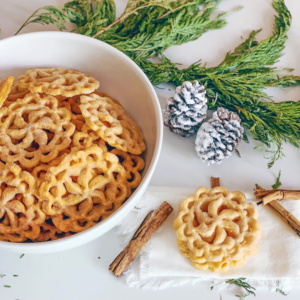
60 243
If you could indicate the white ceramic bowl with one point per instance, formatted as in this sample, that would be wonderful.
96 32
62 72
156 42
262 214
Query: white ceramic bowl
119 77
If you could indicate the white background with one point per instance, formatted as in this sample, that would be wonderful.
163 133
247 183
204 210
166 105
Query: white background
78 274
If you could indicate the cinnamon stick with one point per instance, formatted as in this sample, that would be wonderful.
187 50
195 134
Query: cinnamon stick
143 234
214 181
266 196
286 216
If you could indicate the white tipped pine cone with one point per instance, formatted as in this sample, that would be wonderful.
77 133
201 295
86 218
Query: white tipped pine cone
187 109
218 137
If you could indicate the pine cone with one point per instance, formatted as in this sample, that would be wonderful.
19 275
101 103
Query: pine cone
187 109
218 137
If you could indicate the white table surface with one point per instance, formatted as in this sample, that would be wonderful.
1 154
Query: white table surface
78 274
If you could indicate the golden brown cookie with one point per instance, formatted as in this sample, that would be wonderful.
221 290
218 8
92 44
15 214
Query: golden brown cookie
112 124
56 81
217 229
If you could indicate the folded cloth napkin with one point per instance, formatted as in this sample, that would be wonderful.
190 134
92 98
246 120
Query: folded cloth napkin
160 264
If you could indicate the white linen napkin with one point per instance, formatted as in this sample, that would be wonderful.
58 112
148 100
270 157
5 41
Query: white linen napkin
160 264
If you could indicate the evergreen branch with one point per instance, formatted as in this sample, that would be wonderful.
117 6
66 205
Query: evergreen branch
89 17
243 284
158 24
277 184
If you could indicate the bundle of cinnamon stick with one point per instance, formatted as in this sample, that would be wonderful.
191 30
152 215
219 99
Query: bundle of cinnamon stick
267 196
270 198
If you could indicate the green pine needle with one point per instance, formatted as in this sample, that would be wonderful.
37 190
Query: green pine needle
148 27
277 184
281 292
242 283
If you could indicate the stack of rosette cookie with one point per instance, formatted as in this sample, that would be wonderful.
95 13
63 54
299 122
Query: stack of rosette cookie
217 229
69 155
